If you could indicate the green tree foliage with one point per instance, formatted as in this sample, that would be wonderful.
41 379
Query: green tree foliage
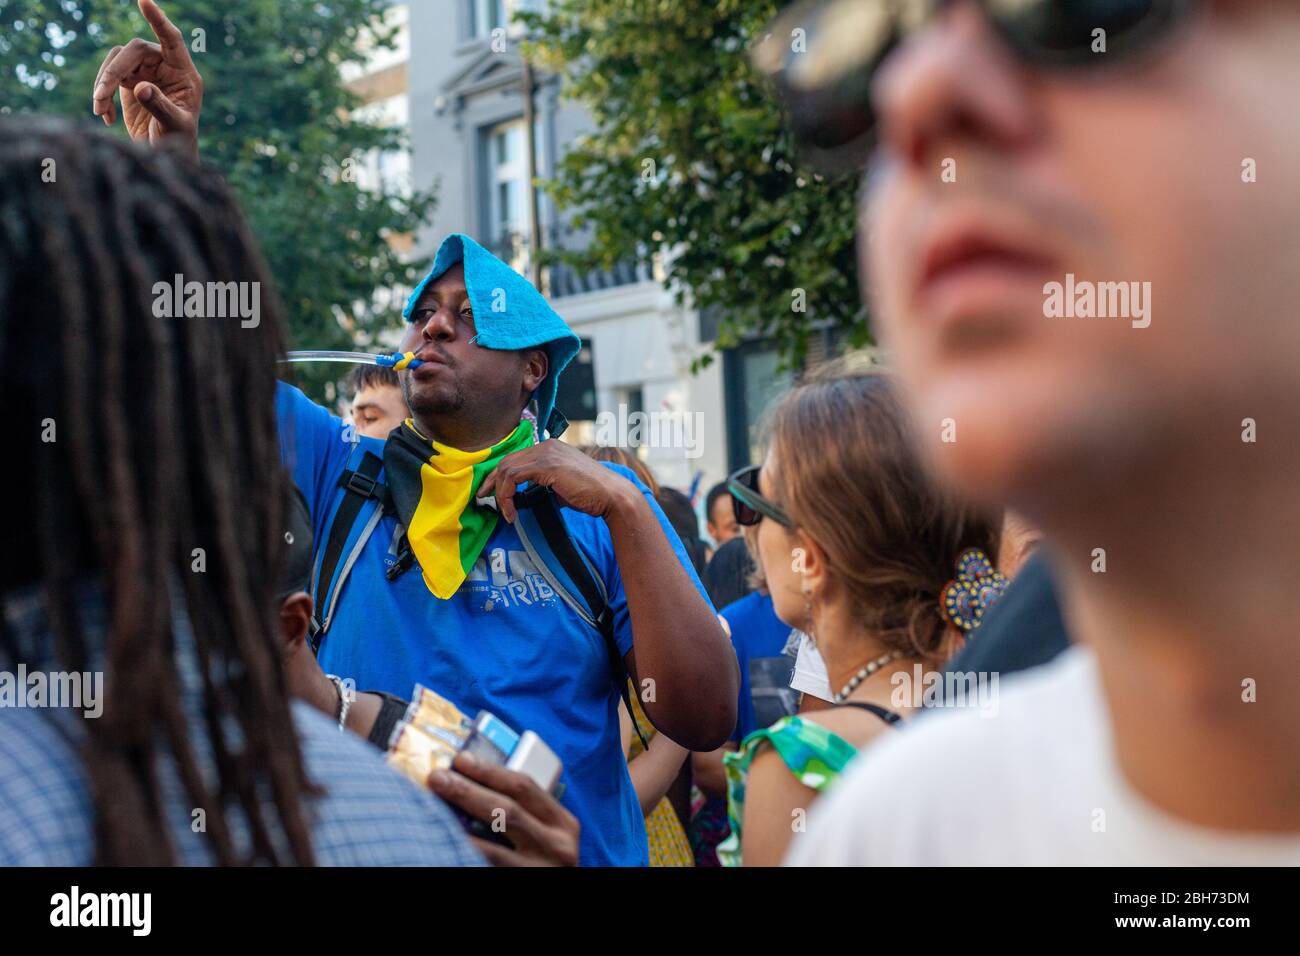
690 155
276 121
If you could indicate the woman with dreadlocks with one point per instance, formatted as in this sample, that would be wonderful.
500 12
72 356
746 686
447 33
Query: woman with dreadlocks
143 497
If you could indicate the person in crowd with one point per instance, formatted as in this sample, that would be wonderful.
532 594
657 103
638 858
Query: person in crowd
537 829
1025 628
719 521
762 642
729 573
656 764
377 403
442 591
860 551
764 652
148 546
809 677
1020 541
656 770
681 514
621 456
1155 449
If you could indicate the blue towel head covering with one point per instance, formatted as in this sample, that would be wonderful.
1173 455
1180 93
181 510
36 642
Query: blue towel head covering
508 312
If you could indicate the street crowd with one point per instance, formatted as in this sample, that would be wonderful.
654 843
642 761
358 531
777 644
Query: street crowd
1014 588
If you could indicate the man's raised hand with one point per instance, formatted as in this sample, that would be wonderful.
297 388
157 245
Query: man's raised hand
162 92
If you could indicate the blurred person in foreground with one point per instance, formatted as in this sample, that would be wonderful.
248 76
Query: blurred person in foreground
148 545
859 549
1157 453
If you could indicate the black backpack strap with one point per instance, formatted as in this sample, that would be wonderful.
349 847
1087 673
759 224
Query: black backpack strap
360 487
545 511
557 425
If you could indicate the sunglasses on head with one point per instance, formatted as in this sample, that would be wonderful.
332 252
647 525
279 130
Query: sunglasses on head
747 504
822 55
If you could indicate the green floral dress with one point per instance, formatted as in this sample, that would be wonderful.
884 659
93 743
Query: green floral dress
815 755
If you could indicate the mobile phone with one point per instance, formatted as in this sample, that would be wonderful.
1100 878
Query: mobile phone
538 762
490 739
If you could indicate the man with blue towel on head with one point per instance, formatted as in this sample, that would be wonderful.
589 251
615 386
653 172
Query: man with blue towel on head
421 573
476 619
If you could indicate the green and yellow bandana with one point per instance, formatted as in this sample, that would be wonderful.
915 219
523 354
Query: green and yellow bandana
433 488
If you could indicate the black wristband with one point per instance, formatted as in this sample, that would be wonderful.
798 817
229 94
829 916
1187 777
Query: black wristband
391 710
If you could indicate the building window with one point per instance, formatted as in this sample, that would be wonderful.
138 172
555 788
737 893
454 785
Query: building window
508 174
754 379
506 187
506 184
633 399
575 393
486 16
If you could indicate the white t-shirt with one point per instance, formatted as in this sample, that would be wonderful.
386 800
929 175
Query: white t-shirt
1036 785
809 675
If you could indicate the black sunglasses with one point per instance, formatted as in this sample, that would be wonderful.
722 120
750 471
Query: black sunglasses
822 55
747 504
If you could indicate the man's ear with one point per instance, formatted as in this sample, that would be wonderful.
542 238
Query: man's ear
295 620
536 365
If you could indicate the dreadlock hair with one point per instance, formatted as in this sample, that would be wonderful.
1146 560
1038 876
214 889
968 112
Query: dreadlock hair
165 443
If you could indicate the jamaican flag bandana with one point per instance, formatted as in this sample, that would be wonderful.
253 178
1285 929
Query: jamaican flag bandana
433 488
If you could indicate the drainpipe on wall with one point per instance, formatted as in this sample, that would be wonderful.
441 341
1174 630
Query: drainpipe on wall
530 141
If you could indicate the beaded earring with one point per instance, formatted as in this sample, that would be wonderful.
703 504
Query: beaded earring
976 588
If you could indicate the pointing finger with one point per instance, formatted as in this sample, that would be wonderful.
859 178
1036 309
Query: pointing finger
171 39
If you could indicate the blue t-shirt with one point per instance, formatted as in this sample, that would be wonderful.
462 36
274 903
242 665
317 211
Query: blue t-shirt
504 642
756 633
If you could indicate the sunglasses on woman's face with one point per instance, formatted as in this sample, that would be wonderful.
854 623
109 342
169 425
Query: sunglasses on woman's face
823 55
748 505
